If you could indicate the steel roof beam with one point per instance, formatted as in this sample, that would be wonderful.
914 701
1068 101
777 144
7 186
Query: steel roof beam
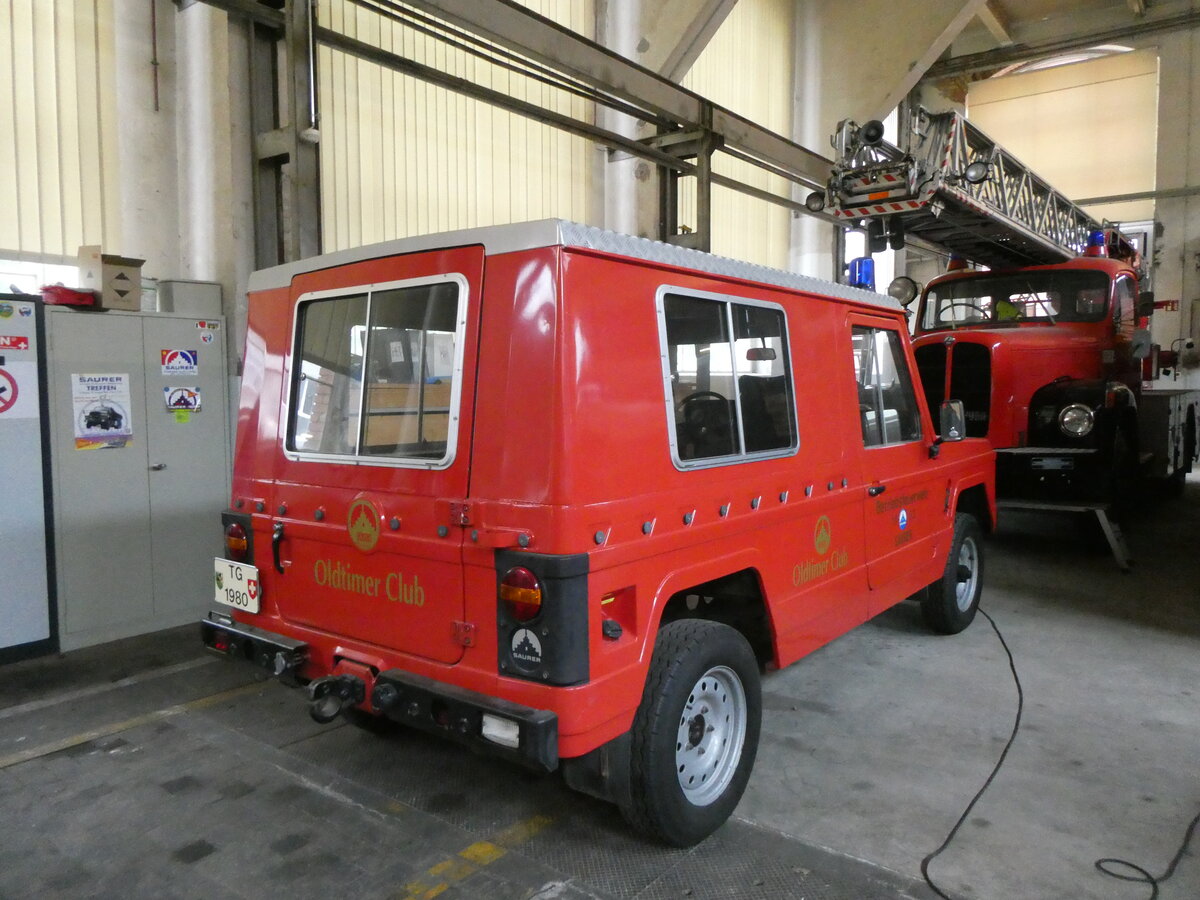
512 26
995 59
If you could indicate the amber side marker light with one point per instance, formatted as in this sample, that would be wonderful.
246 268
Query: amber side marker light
236 544
521 593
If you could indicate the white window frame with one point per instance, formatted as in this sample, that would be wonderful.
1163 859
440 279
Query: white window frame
740 456
290 383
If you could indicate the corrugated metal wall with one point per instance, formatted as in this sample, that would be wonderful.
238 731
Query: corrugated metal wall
58 173
400 156
747 68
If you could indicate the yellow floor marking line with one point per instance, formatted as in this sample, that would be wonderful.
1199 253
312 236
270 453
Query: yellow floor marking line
438 878
15 759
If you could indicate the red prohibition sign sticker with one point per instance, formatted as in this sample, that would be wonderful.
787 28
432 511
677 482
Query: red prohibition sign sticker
8 391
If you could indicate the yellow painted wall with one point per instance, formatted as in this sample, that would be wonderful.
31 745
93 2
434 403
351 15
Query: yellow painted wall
747 69
1089 128
401 156
58 166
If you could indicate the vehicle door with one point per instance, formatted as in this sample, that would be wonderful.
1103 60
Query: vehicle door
377 413
904 499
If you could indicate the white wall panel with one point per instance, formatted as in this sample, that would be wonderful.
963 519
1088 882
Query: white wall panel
1090 129
747 68
57 127
401 156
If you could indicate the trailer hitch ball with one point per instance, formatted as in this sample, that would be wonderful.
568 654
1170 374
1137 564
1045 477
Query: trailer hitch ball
333 694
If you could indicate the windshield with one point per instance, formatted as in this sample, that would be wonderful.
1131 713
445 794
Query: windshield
1051 295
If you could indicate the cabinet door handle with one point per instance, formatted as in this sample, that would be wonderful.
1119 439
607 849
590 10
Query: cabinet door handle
276 540
876 489
158 467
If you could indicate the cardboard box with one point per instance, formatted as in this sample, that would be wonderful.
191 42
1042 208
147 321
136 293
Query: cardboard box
116 280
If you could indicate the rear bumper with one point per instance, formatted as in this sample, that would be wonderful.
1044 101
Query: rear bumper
521 734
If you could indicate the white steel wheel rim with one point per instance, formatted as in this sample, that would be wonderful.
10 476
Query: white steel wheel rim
712 730
967 575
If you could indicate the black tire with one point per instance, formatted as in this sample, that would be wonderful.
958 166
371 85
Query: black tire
950 603
692 728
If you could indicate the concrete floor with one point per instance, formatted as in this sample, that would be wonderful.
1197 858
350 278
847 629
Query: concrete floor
145 769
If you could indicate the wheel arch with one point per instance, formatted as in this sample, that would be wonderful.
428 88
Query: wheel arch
973 501
732 593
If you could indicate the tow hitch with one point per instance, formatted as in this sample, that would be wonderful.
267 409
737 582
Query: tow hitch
332 695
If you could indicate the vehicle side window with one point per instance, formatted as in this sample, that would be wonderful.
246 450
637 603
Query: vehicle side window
887 405
730 379
376 374
1124 303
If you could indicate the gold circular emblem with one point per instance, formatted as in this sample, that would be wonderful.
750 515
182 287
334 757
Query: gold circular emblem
822 536
363 524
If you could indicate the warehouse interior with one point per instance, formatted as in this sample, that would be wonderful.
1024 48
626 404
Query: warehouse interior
165 154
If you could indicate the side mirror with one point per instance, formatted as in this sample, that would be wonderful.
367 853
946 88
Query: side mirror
1140 346
953 426
1145 304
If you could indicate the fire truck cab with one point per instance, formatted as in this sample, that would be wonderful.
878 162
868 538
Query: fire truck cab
561 494
1047 361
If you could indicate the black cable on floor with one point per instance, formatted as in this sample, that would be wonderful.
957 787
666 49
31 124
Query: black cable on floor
995 770
1141 876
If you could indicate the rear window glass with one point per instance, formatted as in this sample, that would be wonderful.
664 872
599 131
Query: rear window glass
377 373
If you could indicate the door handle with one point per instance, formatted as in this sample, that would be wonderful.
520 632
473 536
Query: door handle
876 489
276 540
158 467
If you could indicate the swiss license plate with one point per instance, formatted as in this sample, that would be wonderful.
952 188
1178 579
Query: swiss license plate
236 585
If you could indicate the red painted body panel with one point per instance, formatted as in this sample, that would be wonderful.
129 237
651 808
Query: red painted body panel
565 437
1030 355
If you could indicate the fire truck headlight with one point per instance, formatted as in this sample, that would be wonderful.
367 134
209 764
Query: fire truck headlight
1076 420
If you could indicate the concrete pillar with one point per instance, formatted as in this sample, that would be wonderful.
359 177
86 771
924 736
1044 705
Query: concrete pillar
665 36
212 136
1177 276
146 152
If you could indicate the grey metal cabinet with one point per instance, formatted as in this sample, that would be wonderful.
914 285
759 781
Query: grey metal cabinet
140 455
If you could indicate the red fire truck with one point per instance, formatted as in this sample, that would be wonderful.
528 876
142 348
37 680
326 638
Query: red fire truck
1045 349
561 494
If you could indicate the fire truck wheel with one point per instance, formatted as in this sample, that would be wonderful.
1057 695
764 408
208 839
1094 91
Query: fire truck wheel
695 734
950 603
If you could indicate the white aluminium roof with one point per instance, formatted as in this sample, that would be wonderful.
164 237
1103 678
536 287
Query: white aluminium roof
555 232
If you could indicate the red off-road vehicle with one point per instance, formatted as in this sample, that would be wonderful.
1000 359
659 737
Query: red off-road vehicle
562 494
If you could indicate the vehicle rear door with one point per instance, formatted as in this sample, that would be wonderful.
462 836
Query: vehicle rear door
377 415
903 508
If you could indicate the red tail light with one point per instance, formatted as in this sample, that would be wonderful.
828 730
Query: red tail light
521 593
236 543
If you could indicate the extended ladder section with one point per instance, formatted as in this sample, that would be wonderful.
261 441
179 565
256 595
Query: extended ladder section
954 187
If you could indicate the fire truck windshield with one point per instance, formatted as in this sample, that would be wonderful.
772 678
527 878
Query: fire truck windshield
1009 298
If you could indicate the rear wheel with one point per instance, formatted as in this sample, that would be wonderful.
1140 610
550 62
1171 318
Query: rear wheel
695 734
950 603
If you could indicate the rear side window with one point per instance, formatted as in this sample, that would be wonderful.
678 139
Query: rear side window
887 406
728 376
377 373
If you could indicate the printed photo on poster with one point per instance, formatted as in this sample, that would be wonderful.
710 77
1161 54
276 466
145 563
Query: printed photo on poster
102 411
